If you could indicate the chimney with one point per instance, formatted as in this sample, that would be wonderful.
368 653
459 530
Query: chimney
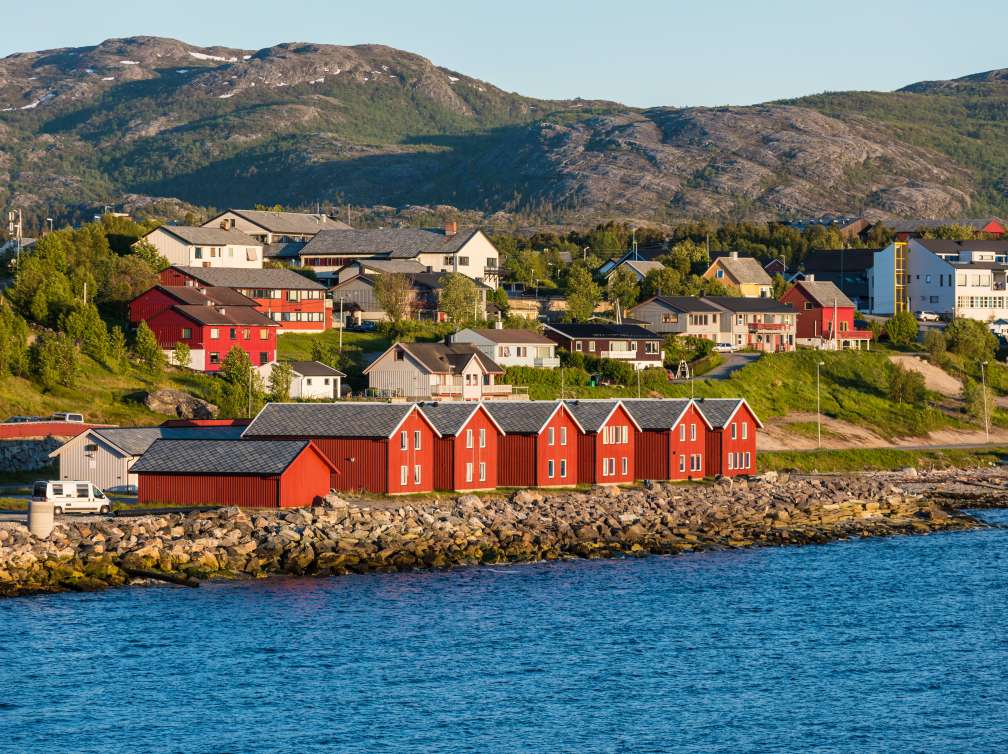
450 228
499 324
734 255
809 277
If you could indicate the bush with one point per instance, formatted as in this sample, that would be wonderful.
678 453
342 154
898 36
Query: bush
55 361
553 378
906 386
935 344
970 339
902 329
148 352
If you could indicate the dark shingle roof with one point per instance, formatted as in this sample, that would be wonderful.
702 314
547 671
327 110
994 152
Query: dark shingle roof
837 260
187 294
451 358
236 315
603 330
135 440
315 369
283 250
743 304
656 413
219 456
685 303
209 236
448 417
512 335
718 410
521 417
328 419
392 243
824 293
591 413
239 277
298 223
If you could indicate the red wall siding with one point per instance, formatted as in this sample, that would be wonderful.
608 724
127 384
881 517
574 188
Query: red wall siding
651 452
621 451
168 326
586 459
516 461
149 303
679 448
208 489
739 445
360 461
476 455
444 463
305 480
812 323
411 457
544 452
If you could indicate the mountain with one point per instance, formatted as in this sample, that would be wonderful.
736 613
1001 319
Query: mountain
302 123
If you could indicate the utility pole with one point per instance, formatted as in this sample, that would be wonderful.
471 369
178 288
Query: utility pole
818 405
251 369
85 293
342 324
638 382
584 253
983 387
14 228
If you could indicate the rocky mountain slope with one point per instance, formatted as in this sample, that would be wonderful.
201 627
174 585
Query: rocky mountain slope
303 123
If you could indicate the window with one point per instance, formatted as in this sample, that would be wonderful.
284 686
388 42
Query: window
552 436
186 333
198 254
651 347
463 261
734 431
404 475
692 432
90 448
264 333
747 460
563 468
469 472
482 471
808 304
469 438
482 435
719 273
731 461
682 463
578 345
591 345
745 430
416 439
399 355
263 357
447 262
624 466
403 440
416 474
695 462
563 437
57 489
927 278
682 433
325 381
549 468
214 333
233 333
214 357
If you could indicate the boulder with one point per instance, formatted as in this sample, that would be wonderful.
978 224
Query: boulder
180 404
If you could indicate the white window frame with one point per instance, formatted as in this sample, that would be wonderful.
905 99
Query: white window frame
624 465
482 471
563 468
550 468
404 440
563 436
692 432
417 474
682 433
416 439
552 436
482 437
469 471
682 463
469 438
734 431
745 430
404 475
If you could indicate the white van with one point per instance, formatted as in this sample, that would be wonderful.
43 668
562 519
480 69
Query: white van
72 497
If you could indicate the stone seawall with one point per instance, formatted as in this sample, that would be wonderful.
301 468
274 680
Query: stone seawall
342 537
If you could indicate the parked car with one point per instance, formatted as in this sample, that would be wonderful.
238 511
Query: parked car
365 326
66 416
924 316
71 496
724 348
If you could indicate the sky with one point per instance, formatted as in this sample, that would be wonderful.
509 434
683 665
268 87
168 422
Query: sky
640 52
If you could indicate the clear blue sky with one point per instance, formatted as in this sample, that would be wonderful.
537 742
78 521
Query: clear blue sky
641 52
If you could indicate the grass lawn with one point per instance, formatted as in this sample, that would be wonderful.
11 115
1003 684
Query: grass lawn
877 459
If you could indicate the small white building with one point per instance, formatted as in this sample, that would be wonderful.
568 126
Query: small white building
311 380
188 246
512 347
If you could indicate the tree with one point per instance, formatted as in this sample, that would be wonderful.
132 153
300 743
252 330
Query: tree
243 392
906 385
280 380
151 256
952 232
498 296
780 286
328 354
394 293
85 325
623 288
459 298
901 329
148 351
583 294
54 361
978 401
13 341
935 343
661 282
118 350
971 339
181 355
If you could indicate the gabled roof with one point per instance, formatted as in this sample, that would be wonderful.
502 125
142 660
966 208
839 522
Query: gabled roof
134 441
450 417
602 330
641 266
593 414
240 277
744 270
681 303
510 335
315 369
824 293
443 358
198 236
750 304
391 243
283 250
659 413
297 223
221 456
212 315
837 260
350 419
719 411
407 266
187 294
526 417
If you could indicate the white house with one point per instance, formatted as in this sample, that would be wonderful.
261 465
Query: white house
512 347
189 246
275 227
438 371
958 278
311 380
639 268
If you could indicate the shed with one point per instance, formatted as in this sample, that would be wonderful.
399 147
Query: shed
465 454
539 447
731 443
249 474
606 446
672 440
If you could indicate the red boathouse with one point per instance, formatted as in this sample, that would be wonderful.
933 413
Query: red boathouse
539 447
673 439
606 448
731 443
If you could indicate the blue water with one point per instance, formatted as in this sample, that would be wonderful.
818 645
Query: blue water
876 645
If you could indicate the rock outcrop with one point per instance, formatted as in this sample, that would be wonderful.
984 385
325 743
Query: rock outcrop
179 403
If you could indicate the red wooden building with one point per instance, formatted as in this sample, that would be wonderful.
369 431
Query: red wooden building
825 316
294 302
465 455
672 442
385 448
160 298
540 444
731 442
606 452
266 474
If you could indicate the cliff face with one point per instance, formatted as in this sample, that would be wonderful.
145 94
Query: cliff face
299 123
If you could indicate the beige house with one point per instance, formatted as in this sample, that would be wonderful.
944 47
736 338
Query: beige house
744 274
680 315
512 347
761 324
189 246
275 227
435 371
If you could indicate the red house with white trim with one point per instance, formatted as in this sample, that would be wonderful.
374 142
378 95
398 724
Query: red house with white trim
731 443
825 316
465 454
385 448
672 442
606 452
540 444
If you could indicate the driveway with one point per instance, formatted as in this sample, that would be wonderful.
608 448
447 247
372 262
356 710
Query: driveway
732 363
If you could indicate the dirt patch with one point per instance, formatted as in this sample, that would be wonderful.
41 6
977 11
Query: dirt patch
935 378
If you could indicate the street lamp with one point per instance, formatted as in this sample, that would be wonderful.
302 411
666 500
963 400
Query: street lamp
818 405
983 386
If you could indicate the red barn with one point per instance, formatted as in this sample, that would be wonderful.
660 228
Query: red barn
731 443
265 474
606 452
825 316
210 332
539 447
294 302
673 438
465 455
385 448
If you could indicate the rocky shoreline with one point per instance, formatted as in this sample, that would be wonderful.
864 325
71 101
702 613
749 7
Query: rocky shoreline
343 537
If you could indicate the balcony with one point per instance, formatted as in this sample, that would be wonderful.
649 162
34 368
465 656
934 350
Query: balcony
618 354
549 362
767 327
458 392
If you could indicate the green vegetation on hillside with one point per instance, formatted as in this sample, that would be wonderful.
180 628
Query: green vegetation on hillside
878 459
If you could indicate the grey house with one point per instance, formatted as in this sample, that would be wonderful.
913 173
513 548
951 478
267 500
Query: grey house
680 315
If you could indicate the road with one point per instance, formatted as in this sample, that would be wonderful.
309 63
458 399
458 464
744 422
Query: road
732 363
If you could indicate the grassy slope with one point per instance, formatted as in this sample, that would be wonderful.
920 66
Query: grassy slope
877 459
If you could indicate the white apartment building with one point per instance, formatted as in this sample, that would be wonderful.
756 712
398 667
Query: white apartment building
188 246
958 278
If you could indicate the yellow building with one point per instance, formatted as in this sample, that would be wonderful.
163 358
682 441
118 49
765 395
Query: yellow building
743 274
